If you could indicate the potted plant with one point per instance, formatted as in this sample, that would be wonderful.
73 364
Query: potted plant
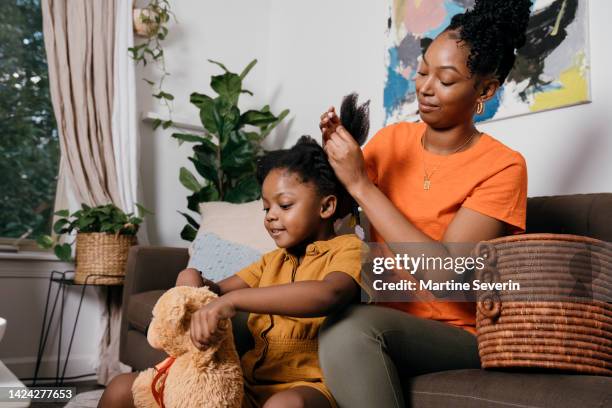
151 23
225 155
104 235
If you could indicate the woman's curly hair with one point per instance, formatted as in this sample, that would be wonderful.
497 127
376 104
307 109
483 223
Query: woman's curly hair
308 160
494 30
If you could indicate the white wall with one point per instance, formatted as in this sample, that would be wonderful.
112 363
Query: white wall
312 53
24 282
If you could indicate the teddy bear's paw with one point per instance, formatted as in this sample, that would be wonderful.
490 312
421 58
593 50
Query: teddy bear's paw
141 390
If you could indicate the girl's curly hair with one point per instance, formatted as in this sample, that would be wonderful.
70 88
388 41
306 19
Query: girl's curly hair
494 30
308 160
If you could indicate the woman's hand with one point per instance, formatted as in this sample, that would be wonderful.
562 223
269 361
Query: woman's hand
346 158
328 123
205 327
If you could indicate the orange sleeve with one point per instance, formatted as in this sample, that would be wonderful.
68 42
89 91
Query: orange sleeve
373 154
348 260
503 196
251 274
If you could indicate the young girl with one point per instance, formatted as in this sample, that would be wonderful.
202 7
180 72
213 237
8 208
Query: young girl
289 291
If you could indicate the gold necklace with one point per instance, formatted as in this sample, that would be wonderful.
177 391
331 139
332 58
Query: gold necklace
427 176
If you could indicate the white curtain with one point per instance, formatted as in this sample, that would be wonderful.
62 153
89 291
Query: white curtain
92 82
126 140
126 147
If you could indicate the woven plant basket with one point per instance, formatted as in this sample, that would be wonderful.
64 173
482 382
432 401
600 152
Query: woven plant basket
101 257
561 318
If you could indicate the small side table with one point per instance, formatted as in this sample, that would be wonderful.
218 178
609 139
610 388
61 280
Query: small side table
62 282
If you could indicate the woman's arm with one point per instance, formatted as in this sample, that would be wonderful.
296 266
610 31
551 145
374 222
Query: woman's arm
299 299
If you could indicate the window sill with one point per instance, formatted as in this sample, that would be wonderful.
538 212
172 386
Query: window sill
29 256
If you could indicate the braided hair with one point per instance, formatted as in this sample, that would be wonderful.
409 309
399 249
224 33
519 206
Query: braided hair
308 160
494 30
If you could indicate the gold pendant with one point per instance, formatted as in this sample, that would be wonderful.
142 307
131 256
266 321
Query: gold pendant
426 184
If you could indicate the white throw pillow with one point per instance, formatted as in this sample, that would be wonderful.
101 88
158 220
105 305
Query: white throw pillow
231 237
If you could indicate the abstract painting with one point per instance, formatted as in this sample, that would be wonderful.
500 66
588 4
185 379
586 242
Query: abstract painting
551 70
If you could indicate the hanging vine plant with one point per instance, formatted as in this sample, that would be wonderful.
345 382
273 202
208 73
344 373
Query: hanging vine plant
151 23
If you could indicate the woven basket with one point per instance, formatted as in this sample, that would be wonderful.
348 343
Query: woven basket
561 318
101 257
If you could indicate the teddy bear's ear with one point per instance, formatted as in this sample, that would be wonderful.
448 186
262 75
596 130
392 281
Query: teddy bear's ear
175 315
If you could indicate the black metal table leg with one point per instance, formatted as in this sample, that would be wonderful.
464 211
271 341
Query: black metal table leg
44 333
76 320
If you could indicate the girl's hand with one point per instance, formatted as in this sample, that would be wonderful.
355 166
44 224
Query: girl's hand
329 123
346 158
206 323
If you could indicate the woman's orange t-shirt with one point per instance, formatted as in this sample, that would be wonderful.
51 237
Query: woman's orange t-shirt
488 177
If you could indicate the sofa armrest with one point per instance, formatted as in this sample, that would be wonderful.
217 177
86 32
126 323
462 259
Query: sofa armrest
148 268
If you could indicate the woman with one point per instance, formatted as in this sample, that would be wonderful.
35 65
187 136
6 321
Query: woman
436 182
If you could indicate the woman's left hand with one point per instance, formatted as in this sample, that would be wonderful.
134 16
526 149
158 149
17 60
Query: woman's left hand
346 158
205 322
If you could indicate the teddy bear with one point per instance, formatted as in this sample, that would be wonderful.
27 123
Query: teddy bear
190 377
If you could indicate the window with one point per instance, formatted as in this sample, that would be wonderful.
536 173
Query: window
29 145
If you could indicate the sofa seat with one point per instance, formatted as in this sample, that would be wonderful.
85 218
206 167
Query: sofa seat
476 388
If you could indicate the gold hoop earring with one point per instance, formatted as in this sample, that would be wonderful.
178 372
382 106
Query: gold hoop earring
479 108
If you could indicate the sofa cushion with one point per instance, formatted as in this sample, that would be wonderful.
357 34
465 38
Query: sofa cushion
487 388
140 307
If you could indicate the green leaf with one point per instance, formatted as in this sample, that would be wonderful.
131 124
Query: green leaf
206 169
166 124
257 118
84 223
187 137
148 81
188 233
164 95
142 211
62 213
59 225
63 252
199 99
206 106
238 156
190 220
248 68
266 131
188 180
206 194
227 118
157 123
44 241
219 64
246 91
228 86
246 190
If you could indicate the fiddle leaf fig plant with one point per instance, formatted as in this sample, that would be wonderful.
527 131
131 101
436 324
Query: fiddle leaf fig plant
225 155
103 218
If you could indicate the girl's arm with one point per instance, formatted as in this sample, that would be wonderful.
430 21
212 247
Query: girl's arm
193 277
299 299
